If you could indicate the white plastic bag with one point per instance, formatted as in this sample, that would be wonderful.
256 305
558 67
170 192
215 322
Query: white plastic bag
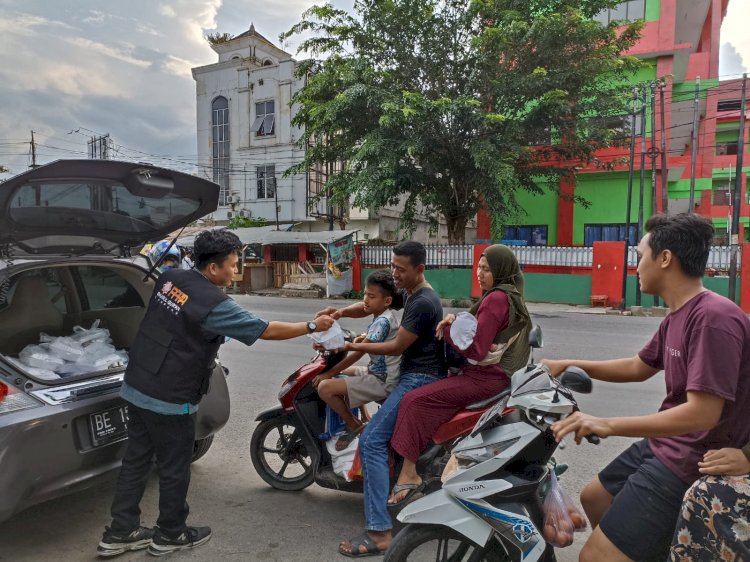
88 336
43 374
65 348
463 330
37 356
332 338
342 460
92 363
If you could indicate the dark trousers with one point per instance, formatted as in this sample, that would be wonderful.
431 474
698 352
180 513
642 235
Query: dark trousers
170 439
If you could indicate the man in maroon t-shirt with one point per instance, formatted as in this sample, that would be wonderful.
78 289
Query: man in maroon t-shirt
703 346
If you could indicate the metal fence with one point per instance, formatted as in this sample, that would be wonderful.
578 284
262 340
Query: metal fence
462 256
561 256
438 255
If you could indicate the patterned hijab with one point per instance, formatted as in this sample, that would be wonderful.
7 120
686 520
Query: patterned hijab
507 277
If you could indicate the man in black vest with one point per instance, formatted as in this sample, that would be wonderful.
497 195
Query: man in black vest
168 373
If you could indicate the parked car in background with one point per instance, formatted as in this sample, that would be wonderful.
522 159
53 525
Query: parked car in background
69 234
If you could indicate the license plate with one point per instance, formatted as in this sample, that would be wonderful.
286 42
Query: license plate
109 425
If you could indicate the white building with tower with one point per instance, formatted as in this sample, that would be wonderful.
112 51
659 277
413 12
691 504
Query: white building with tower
246 141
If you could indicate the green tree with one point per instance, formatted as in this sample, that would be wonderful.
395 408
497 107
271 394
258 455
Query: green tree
437 104
246 222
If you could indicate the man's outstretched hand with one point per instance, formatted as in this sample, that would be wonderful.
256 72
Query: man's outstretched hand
323 322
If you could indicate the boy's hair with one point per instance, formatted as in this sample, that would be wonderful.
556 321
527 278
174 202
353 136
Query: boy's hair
213 246
687 236
415 251
383 280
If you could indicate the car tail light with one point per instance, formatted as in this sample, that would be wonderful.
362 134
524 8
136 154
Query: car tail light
12 400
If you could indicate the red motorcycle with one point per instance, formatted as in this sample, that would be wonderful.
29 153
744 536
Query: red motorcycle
287 453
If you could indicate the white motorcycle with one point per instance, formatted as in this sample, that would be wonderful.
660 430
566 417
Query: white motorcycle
490 505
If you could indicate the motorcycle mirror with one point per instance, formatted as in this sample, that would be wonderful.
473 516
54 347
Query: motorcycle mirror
576 379
535 337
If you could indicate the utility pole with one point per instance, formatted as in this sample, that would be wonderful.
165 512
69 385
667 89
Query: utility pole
642 185
630 200
33 151
653 152
664 170
737 199
329 173
696 104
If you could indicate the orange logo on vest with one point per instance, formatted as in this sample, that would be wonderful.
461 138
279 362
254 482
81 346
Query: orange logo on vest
177 296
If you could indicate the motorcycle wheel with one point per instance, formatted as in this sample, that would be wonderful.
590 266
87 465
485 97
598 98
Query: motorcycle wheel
441 544
279 455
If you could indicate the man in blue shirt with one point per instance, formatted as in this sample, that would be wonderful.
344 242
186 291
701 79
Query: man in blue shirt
169 369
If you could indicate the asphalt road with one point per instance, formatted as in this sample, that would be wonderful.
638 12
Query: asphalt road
250 520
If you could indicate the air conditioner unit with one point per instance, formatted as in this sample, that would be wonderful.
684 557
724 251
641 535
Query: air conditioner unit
233 199
245 213
230 215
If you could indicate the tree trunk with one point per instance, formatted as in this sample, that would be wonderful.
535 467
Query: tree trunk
456 229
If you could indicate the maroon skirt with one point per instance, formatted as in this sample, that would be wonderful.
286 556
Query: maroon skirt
423 410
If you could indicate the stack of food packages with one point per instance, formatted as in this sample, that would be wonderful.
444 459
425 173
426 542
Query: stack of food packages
84 351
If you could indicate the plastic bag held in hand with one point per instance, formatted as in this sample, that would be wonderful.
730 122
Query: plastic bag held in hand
576 515
558 526
332 338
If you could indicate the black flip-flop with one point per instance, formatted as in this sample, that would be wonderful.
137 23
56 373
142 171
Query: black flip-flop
412 490
346 439
371 549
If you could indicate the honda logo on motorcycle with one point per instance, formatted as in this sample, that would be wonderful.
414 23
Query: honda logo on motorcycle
471 488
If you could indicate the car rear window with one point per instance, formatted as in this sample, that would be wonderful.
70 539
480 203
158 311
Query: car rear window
95 205
106 288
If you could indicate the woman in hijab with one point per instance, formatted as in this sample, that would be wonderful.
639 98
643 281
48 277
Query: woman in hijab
498 348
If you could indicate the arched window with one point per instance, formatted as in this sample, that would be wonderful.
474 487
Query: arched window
267 62
220 145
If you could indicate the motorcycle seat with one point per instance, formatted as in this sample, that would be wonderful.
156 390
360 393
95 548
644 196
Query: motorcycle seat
487 401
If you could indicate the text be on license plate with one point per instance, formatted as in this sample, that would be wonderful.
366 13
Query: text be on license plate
108 426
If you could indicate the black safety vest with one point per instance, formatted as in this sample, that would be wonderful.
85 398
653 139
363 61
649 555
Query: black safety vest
171 358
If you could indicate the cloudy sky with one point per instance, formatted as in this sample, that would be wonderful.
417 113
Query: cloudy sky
73 69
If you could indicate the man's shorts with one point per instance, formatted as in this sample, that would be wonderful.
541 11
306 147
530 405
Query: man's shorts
647 501
364 387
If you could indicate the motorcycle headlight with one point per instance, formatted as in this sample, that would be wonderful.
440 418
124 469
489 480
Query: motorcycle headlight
450 469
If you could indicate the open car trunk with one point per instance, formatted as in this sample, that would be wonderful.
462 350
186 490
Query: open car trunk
58 299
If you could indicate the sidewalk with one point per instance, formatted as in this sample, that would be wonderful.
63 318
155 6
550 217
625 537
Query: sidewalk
534 307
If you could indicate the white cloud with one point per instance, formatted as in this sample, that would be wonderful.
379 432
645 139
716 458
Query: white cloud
95 17
734 31
122 68
178 66
730 61
123 54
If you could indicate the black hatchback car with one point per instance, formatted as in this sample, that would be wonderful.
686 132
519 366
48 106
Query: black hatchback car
68 235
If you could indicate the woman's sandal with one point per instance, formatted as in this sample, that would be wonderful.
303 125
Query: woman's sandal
371 549
411 489
346 439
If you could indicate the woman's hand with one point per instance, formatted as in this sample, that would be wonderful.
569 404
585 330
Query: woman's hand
321 377
725 461
360 338
447 321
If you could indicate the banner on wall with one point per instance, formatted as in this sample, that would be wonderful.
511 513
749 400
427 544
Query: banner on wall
341 251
